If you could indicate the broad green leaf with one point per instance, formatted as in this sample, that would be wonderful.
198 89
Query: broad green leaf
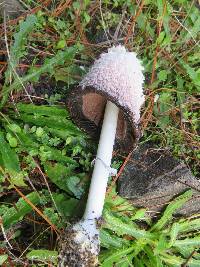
164 15
16 178
74 185
61 176
68 74
8 155
61 44
160 38
185 251
14 128
27 141
125 262
16 214
177 261
171 208
164 103
68 207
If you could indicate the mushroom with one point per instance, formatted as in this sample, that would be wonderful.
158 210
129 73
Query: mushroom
110 95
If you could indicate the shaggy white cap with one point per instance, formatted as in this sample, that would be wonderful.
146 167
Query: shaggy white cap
119 74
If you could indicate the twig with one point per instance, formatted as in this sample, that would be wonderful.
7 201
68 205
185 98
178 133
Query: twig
133 22
188 259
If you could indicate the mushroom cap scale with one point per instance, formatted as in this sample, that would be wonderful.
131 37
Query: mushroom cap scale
116 76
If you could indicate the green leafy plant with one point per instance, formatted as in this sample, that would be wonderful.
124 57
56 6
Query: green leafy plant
163 243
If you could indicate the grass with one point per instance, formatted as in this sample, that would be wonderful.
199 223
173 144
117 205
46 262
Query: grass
45 159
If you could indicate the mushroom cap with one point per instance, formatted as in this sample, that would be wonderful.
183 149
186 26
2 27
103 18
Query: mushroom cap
116 76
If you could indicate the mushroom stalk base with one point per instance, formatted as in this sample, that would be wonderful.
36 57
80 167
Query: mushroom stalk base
80 244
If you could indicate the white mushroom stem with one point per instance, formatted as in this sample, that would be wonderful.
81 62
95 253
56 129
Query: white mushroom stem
101 170
86 232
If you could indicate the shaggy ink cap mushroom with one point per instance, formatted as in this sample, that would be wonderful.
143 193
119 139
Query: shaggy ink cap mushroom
113 84
116 76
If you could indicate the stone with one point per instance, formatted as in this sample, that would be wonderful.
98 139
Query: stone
153 177
12 8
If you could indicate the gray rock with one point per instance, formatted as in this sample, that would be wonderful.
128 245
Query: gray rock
153 177
12 8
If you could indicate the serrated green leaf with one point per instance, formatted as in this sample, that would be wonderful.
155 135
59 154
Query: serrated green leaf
174 233
171 208
17 49
189 225
42 110
117 202
173 260
59 59
188 242
55 122
116 256
121 228
111 241
55 154
43 255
